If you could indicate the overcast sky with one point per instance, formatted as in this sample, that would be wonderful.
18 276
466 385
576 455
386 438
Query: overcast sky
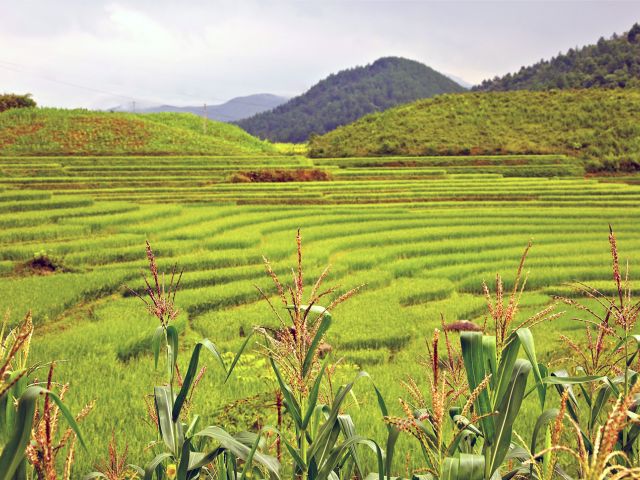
94 53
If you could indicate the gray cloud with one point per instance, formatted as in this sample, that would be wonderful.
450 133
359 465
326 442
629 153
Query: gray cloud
81 53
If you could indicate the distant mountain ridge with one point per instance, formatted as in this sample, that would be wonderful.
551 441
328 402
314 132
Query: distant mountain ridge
231 111
610 63
460 81
346 96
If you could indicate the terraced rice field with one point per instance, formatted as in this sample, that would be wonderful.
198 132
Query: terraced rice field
421 233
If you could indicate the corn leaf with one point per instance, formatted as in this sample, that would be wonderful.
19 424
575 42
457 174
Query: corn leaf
183 467
239 449
464 467
392 436
526 340
321 443
473 356
155 344
508 409
349 445
325 323
313 397
543 420
290 402
172 338
171 436
151 467
490 357
13 452
192 371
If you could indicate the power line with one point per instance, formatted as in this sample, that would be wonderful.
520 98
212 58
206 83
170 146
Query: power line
12 67
17 68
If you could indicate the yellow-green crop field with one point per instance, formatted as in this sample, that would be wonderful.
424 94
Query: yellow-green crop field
421 233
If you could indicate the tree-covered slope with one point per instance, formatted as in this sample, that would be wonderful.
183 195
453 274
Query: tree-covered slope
609 63
595 124
348 95
46 131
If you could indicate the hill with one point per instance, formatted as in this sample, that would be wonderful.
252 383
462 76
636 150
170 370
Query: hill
348 95
235 109
594 124
610 63
47 131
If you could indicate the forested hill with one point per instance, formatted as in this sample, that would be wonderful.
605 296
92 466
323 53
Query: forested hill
346 96
611 63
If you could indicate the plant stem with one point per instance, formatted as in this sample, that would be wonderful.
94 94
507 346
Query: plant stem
278 440
626 377
302 441
170 370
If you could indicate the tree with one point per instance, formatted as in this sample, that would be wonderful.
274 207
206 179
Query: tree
632 36
12 100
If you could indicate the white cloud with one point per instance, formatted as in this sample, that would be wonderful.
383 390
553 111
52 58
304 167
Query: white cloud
196 51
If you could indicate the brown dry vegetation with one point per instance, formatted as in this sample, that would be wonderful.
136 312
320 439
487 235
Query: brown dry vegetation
279 175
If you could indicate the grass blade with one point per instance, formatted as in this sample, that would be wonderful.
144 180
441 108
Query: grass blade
236 358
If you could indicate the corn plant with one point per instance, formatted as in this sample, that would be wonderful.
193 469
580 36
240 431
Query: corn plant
47 443
494 368
115 467
606 437
324 443
186 453
17 423
484 408
14 352
426 415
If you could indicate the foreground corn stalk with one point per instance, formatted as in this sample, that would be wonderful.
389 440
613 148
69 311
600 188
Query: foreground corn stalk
19 405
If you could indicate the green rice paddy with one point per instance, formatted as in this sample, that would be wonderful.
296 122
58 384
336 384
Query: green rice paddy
421 233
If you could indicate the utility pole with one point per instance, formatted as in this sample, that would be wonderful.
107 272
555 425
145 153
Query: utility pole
134 106
204 120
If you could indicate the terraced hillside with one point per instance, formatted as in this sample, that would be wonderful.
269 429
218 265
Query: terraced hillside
47 131
422 234
223 179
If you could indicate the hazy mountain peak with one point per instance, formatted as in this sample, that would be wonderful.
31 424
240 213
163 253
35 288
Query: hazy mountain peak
233 110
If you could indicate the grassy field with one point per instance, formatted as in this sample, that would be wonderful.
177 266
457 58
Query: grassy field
49 131
595 125
421 233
